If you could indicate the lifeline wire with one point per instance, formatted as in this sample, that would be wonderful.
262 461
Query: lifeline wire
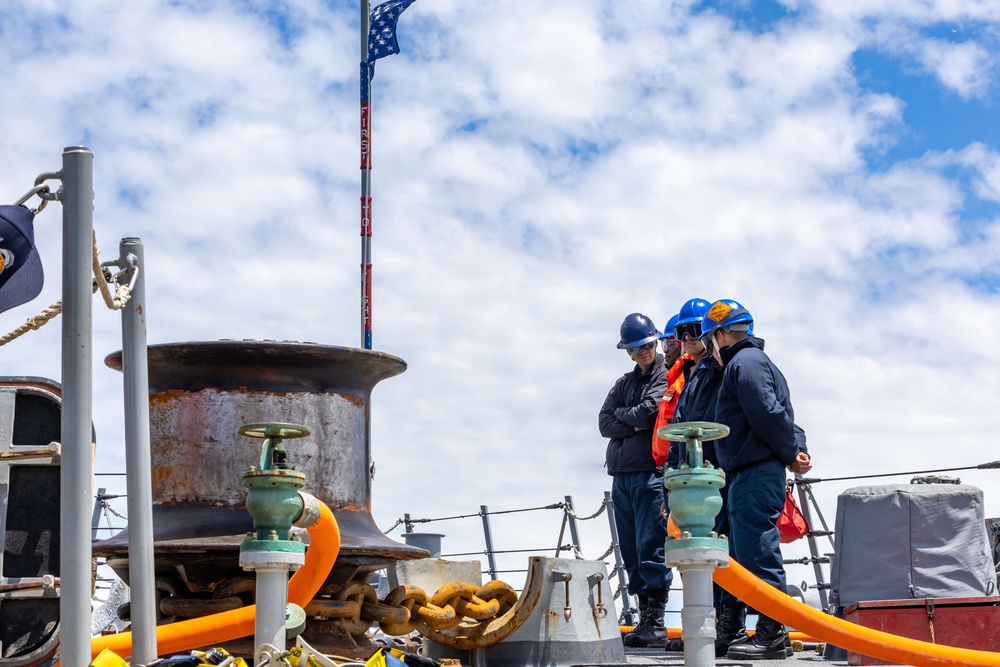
992 465
554 506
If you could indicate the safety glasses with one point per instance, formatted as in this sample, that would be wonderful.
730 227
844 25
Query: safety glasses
690 329
636 351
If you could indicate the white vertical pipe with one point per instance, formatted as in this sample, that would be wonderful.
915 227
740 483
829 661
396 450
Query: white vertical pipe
142 585
272 599
76 470
698 614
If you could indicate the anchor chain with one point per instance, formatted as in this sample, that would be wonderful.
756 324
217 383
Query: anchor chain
408 608
457 614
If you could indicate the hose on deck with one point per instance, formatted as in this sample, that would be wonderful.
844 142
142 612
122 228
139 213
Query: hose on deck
901 650
324 545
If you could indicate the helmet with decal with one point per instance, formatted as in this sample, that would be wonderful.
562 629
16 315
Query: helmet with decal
724 313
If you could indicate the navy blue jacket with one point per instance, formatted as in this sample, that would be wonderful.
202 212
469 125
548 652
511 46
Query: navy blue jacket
697 404
633 402
754 403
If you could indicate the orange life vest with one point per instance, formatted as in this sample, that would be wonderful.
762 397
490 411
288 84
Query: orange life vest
675 383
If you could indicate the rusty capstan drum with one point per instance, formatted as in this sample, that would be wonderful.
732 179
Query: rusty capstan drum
200 394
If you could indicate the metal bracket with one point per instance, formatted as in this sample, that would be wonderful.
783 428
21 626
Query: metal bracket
565 577
43 191
53 451
599 610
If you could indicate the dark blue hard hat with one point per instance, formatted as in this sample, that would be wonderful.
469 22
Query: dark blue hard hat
637 329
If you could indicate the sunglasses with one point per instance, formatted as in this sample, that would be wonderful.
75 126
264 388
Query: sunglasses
636 351
690 329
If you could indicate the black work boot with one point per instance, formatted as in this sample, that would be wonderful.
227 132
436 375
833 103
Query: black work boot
676 644
767 643
650 628
731 629
643 605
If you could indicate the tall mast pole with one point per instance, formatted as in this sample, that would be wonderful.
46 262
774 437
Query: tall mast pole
366 184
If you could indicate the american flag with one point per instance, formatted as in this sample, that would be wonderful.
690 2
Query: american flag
382 31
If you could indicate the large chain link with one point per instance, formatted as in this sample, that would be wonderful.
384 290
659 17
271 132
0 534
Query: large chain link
457 615
407 608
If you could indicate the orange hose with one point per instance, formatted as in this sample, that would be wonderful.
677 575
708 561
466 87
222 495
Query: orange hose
768 600
324 544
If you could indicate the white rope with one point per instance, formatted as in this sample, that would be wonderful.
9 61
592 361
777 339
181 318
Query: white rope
121 295
599 512
111 509
391 528
611 550
33 323
116 301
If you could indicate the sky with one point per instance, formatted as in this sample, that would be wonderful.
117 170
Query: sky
541 170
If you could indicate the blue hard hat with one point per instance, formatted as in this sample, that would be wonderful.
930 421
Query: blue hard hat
637 329
668 330
690 314
724 313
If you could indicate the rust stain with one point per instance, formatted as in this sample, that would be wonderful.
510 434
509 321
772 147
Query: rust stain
172 395
160 475
168 396
351 398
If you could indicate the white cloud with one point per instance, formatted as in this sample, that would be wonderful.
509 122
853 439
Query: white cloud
965 68
927 11
954 42
983 161
541 170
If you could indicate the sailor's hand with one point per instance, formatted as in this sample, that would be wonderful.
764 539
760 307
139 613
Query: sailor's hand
802 464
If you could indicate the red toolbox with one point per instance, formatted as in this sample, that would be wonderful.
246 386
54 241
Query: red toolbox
972 623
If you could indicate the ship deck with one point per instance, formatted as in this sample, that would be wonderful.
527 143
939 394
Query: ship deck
651 656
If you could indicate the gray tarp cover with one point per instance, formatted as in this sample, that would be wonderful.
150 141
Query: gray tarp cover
903 541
